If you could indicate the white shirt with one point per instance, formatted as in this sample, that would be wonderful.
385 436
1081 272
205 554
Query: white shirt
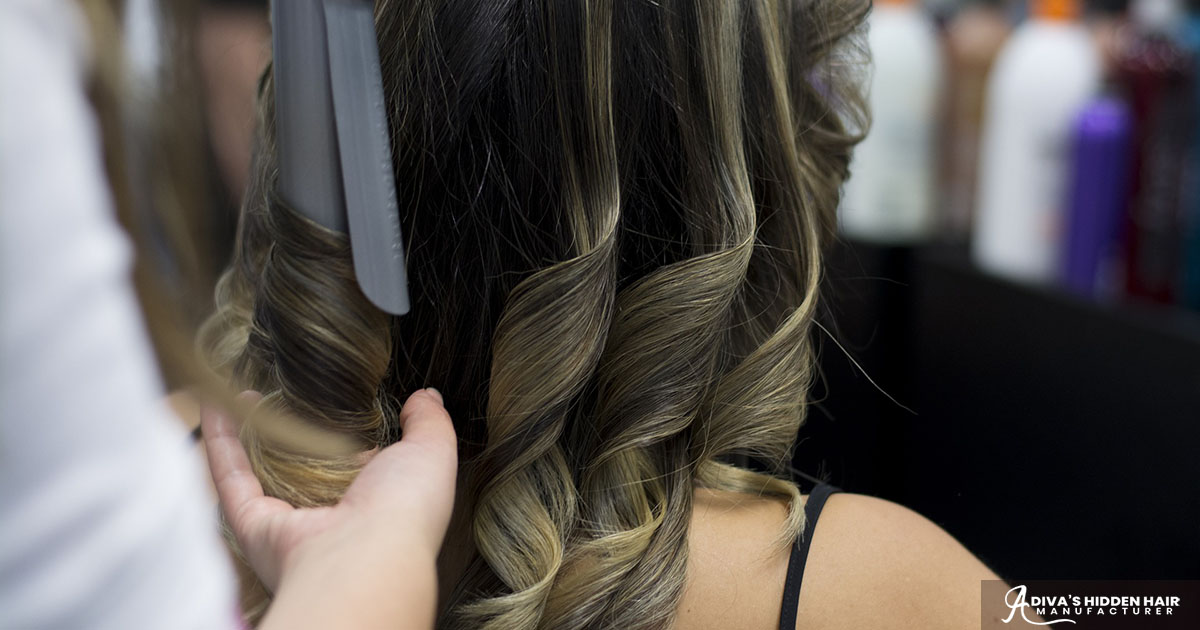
104 520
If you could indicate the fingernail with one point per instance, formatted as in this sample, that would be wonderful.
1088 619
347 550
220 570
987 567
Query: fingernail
436 394
249 396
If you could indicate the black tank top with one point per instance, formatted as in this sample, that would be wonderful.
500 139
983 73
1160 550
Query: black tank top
795 572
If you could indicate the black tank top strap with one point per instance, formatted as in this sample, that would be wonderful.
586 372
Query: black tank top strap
795 571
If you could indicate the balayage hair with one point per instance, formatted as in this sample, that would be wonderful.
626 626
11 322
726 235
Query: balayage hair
615 214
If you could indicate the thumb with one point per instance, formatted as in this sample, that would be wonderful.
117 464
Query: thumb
414 477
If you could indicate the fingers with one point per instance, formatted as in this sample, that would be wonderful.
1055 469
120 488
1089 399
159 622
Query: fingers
427 452
240 493
426 422
414 479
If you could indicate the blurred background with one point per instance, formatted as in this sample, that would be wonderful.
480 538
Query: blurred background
1017 290
1011 337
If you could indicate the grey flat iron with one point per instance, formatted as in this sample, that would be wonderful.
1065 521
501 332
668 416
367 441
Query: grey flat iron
335 161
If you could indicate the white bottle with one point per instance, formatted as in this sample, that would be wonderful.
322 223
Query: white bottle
890 194
1043 78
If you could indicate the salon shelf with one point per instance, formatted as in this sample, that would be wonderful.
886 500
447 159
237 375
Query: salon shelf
1056 437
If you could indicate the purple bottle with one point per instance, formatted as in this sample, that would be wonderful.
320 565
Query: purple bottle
1097 194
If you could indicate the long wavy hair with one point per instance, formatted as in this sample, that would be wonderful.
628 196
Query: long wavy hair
615 214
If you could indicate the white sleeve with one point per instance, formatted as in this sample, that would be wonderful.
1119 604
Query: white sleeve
104 518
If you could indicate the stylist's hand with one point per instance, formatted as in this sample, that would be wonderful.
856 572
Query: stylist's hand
370 560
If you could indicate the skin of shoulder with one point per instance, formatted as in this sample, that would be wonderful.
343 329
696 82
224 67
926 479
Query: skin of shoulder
872 564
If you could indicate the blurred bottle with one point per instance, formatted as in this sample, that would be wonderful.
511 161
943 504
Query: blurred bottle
1096 197
1109 22
1044 76
974 38
890 194
1191 242
1156 72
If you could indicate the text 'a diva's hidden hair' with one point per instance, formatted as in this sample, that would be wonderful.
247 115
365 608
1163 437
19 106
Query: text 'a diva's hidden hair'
615 214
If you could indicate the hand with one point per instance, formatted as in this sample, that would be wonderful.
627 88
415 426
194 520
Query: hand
391 520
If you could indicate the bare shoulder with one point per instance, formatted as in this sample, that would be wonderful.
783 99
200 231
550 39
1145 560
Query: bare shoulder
735 572
877 564
872 564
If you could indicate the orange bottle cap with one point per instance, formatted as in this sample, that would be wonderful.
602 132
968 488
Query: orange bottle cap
1056 9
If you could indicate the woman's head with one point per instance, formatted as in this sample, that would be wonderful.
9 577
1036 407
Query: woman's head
614 215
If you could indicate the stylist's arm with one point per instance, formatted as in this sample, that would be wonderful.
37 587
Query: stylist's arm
368 562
